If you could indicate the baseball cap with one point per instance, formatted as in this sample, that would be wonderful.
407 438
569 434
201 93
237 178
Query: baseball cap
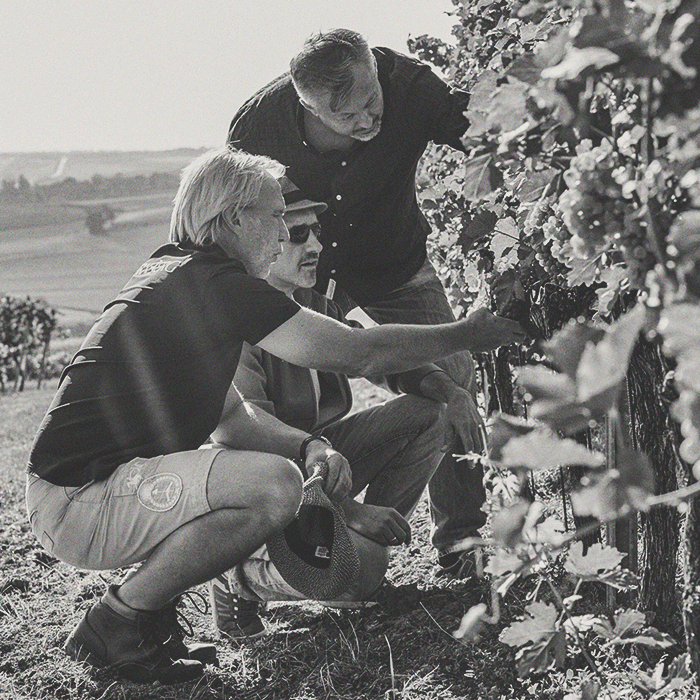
295 200
315 553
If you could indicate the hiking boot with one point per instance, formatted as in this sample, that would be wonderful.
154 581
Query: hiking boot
235 617
460 565
113 635
175 626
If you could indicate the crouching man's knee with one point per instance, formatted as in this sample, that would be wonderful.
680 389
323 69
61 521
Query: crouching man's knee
268 485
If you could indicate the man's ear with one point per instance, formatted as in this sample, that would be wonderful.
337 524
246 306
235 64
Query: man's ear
307 106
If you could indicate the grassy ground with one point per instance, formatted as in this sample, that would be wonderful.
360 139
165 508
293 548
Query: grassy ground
401 649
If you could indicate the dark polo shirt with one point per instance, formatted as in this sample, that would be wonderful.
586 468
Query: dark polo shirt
374 233
152 374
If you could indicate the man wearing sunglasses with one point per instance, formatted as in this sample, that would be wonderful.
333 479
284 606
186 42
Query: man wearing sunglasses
392 449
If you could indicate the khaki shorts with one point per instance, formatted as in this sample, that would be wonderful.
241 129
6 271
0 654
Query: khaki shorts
120 520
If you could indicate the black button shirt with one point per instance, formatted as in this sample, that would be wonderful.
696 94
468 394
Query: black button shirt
374 232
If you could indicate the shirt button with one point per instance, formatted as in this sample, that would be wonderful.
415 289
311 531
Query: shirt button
334 244
350 224
338 197
344 163
332 272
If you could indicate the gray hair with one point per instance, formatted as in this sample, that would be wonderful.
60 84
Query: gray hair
325 63
214 188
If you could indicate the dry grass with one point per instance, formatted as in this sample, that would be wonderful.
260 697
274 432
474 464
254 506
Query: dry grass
400 650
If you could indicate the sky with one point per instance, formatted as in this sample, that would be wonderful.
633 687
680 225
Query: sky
164 74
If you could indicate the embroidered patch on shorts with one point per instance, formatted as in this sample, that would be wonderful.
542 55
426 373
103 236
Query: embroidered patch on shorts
160 492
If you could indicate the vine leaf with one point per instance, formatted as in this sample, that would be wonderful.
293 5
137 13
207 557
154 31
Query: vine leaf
508 524
616 492
481 177
603 366
567 345
544 450
503 428
534 184
598 558
630 628
577 61
483 224
539 623
543 655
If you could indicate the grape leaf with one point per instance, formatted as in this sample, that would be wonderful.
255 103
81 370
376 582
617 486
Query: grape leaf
543 655
502 563
578 60
481 225
481 177
598 558
630 628
566 346
539 623
508 524
616 492
542 383
533 184
680 327
503 428
544 450
604 366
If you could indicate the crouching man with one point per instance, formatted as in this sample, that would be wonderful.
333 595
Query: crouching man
115 475
393 449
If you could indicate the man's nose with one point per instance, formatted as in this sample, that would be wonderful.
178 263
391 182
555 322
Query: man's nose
284 233
313 244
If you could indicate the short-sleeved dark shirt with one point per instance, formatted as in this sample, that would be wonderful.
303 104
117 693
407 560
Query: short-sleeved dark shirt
152 374
374 232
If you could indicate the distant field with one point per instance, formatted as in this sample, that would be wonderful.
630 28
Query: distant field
82 165
72 269
46 250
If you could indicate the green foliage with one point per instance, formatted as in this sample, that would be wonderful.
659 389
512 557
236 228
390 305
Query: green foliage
581 174
26 326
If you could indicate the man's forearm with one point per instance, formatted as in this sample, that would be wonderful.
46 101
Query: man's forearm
252 428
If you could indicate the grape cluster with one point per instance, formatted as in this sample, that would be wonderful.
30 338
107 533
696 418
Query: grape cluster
592 208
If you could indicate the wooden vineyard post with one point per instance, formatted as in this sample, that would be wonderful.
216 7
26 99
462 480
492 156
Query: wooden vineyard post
621 534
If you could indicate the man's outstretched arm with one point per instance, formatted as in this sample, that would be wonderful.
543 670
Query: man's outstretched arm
312 340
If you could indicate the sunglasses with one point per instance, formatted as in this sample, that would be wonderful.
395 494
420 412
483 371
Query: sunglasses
301 233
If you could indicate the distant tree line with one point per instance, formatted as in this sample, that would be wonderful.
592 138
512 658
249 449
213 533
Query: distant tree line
26 328
97 187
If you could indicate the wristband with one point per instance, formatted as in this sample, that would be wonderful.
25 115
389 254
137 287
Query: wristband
305 444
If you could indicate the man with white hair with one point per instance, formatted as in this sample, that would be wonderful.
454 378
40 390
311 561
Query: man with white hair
115 476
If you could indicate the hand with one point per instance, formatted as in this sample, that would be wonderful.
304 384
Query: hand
384 526
339 480
490 332
463 420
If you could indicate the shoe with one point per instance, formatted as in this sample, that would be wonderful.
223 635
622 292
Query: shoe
235 617
112 635
177 626
460 565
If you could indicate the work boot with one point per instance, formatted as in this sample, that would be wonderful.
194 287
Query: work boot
174 621
235 617
115 636
463 566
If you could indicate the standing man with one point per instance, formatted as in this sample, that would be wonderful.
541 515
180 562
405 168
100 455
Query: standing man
351 123
115 476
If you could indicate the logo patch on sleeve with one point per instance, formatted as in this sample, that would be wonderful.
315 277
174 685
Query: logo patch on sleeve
160 492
